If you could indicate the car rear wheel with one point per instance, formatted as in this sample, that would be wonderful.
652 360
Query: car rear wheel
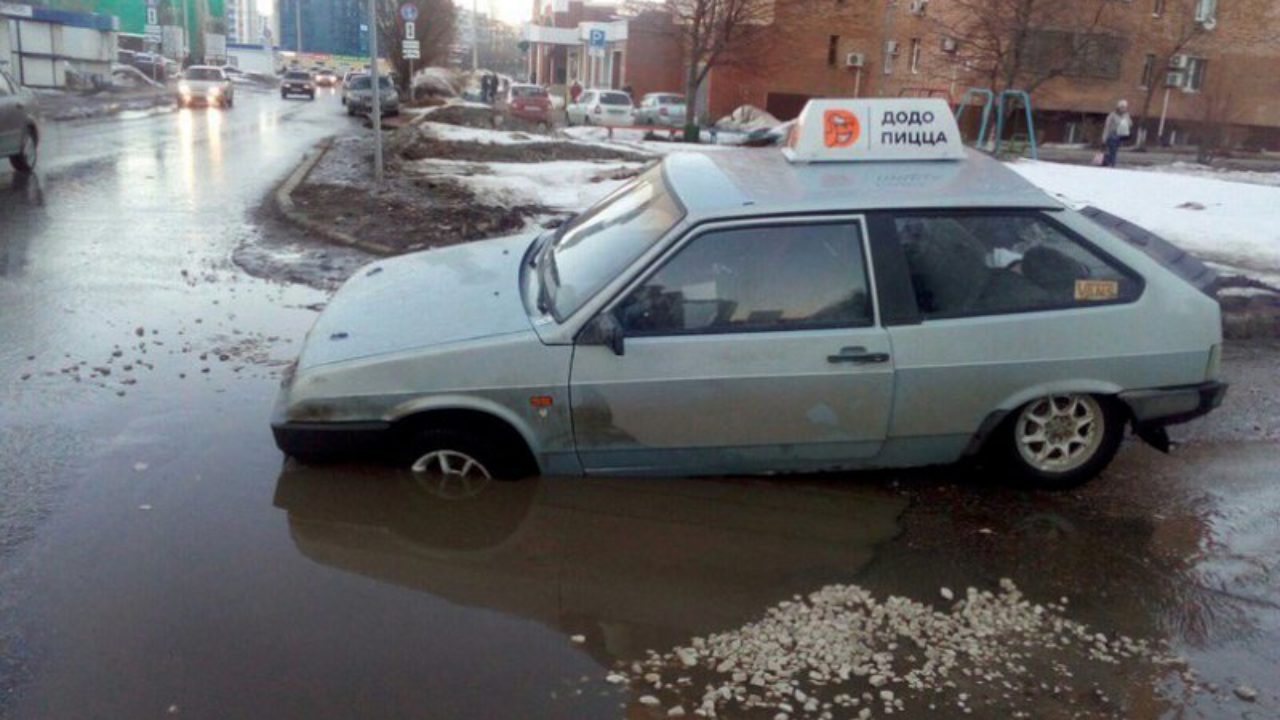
25 159
458 460
1061 441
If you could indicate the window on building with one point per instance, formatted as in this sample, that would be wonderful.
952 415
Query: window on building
1148 72
833 49
1157 8
791 277
1206 10
915 55
996 263
1196 68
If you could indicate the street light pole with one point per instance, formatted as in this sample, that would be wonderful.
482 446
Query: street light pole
376 105
475 37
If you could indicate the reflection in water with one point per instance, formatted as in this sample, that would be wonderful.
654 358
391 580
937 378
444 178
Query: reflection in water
630 564
186 151
22 196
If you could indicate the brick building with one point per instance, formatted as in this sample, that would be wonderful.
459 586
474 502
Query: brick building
1226 68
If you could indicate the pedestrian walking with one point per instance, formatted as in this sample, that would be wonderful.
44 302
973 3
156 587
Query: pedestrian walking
574 91
1116 131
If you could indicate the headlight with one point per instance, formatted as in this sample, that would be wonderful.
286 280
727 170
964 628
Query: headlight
215 91
184 88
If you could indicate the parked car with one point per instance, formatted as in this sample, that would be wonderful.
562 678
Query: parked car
326 78
661 109
153 66
298 82
19 131
359 94
528 102
602 107
205 85
856 300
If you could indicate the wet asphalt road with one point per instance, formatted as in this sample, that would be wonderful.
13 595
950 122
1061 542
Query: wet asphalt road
157 557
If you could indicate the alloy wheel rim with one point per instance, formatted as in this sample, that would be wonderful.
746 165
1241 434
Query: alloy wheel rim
1059 433
451 474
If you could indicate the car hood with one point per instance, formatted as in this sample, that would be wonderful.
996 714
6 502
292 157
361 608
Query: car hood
202 85
431 298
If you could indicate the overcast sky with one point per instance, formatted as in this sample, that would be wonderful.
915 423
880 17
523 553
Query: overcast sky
512 11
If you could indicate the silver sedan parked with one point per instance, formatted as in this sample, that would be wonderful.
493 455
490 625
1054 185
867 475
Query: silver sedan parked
19 133
661 109
359 95
865 300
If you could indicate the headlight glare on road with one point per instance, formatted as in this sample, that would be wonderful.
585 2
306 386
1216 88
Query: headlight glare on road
184 88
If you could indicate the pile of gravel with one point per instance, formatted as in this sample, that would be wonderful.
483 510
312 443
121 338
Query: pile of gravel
840 652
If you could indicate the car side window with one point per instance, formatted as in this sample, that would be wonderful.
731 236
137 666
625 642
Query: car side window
785 277
994 263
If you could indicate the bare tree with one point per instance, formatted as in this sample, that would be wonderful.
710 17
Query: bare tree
1165 42
1022 44
713 33
434 32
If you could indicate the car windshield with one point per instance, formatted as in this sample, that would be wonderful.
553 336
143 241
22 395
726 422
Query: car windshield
600 243
671 100
364 83
528 91
614 99
204 74
298 76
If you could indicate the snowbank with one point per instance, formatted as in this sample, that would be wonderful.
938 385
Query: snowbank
568 185
437 81
1233 223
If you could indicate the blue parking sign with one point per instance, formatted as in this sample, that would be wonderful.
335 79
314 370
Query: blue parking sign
596 40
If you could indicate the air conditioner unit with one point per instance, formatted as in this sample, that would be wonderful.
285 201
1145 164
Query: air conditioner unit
918 6
1179 62
949 45
891 47
855 60
1174 79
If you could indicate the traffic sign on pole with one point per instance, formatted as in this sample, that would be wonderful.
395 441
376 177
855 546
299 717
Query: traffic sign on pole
411 50
410 30
595 42
408 12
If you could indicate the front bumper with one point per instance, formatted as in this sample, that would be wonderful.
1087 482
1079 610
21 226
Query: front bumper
1169 406
328 440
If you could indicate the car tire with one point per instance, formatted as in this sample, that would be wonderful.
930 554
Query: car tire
284 96
1061 441
24 161
312 96
462 456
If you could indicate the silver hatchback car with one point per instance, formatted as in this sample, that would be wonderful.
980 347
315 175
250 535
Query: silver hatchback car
750 312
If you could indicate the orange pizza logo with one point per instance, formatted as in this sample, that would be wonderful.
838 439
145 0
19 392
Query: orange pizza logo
840 128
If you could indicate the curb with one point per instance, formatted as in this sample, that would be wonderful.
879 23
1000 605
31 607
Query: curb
284 201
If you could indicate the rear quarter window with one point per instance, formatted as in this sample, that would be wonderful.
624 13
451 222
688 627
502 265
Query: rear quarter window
968 264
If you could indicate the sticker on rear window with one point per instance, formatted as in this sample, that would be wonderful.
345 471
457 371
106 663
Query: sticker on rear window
1097 289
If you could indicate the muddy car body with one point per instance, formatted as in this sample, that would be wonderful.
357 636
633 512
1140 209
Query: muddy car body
740 312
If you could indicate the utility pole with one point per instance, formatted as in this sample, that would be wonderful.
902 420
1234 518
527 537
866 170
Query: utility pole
376 105
297 27
475 37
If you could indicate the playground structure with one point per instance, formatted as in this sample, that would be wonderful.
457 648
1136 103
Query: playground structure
991 102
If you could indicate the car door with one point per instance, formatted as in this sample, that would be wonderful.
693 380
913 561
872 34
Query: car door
753 347
11 117
578 111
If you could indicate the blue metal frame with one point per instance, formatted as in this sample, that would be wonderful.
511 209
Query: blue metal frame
986 110
1026 107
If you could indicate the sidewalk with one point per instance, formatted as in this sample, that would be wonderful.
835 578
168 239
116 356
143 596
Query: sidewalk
1158 156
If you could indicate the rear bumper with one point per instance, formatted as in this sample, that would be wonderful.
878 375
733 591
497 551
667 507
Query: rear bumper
1169 406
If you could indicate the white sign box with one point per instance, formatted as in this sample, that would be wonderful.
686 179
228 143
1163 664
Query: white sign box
855 130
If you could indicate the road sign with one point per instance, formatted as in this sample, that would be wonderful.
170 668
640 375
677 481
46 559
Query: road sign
152 33
410 30
595 42
411 50
153 17
408 12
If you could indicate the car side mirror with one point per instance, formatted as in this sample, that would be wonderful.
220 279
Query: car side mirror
604 330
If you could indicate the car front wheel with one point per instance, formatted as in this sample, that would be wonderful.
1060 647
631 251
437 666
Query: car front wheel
25 159
1061 441
458 460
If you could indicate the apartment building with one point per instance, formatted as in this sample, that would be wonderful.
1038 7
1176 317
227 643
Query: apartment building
1190 64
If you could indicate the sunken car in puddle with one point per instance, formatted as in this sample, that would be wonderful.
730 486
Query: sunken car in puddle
860 299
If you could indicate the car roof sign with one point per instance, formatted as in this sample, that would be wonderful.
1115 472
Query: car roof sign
877 129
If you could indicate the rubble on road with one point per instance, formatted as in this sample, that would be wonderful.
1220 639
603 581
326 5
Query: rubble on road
840 650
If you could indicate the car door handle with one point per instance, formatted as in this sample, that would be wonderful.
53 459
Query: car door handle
858 355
